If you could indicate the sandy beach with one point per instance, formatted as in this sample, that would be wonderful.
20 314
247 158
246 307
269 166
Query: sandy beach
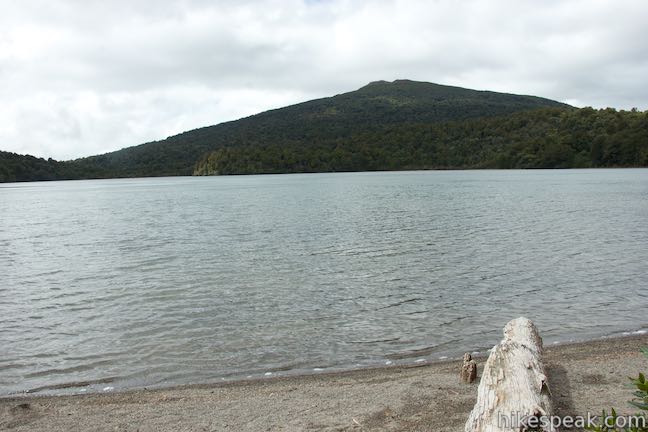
584 377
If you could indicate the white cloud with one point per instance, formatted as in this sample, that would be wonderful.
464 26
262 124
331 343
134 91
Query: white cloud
79 78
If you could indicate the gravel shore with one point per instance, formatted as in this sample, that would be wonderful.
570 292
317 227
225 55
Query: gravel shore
584 377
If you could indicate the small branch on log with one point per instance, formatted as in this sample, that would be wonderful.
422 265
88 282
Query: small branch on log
468 369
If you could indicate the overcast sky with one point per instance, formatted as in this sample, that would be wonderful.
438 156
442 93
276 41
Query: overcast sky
86 77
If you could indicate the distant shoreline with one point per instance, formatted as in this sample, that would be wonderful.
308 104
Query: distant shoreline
4 184
583 376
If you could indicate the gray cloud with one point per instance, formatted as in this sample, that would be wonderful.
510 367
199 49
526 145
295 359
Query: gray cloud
79 78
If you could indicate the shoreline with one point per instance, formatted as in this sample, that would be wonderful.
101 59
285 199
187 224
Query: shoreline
584 377
394 361
405 170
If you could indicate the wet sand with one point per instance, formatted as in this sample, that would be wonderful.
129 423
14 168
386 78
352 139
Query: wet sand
583 377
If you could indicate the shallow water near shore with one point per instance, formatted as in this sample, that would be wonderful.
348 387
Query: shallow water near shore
110 284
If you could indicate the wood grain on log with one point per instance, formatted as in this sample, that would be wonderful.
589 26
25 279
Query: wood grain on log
513 384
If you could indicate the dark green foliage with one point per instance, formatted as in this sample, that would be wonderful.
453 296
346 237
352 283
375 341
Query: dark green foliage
19 168
542 138
14 167
641 394
382 126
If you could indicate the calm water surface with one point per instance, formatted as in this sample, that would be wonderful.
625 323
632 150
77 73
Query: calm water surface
147 282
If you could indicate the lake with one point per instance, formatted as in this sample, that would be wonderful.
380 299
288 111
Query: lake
112 284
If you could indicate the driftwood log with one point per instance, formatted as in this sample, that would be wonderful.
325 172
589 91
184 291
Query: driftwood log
513 393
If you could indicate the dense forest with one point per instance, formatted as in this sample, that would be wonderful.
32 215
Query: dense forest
545 138
382 126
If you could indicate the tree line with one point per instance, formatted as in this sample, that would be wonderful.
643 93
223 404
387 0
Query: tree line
544 138
541 138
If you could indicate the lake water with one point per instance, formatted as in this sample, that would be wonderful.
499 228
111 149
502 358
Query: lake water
158 281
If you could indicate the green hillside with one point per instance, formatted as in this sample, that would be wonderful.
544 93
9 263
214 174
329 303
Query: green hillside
370 108
384 125
543 138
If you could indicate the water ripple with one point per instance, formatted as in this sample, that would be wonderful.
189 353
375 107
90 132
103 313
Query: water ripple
141 282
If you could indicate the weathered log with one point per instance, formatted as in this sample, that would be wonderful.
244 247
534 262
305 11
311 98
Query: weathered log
513 391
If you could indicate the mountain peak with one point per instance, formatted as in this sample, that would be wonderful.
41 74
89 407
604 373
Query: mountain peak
396 83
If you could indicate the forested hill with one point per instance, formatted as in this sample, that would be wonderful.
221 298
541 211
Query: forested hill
384 125
543 138
370 108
